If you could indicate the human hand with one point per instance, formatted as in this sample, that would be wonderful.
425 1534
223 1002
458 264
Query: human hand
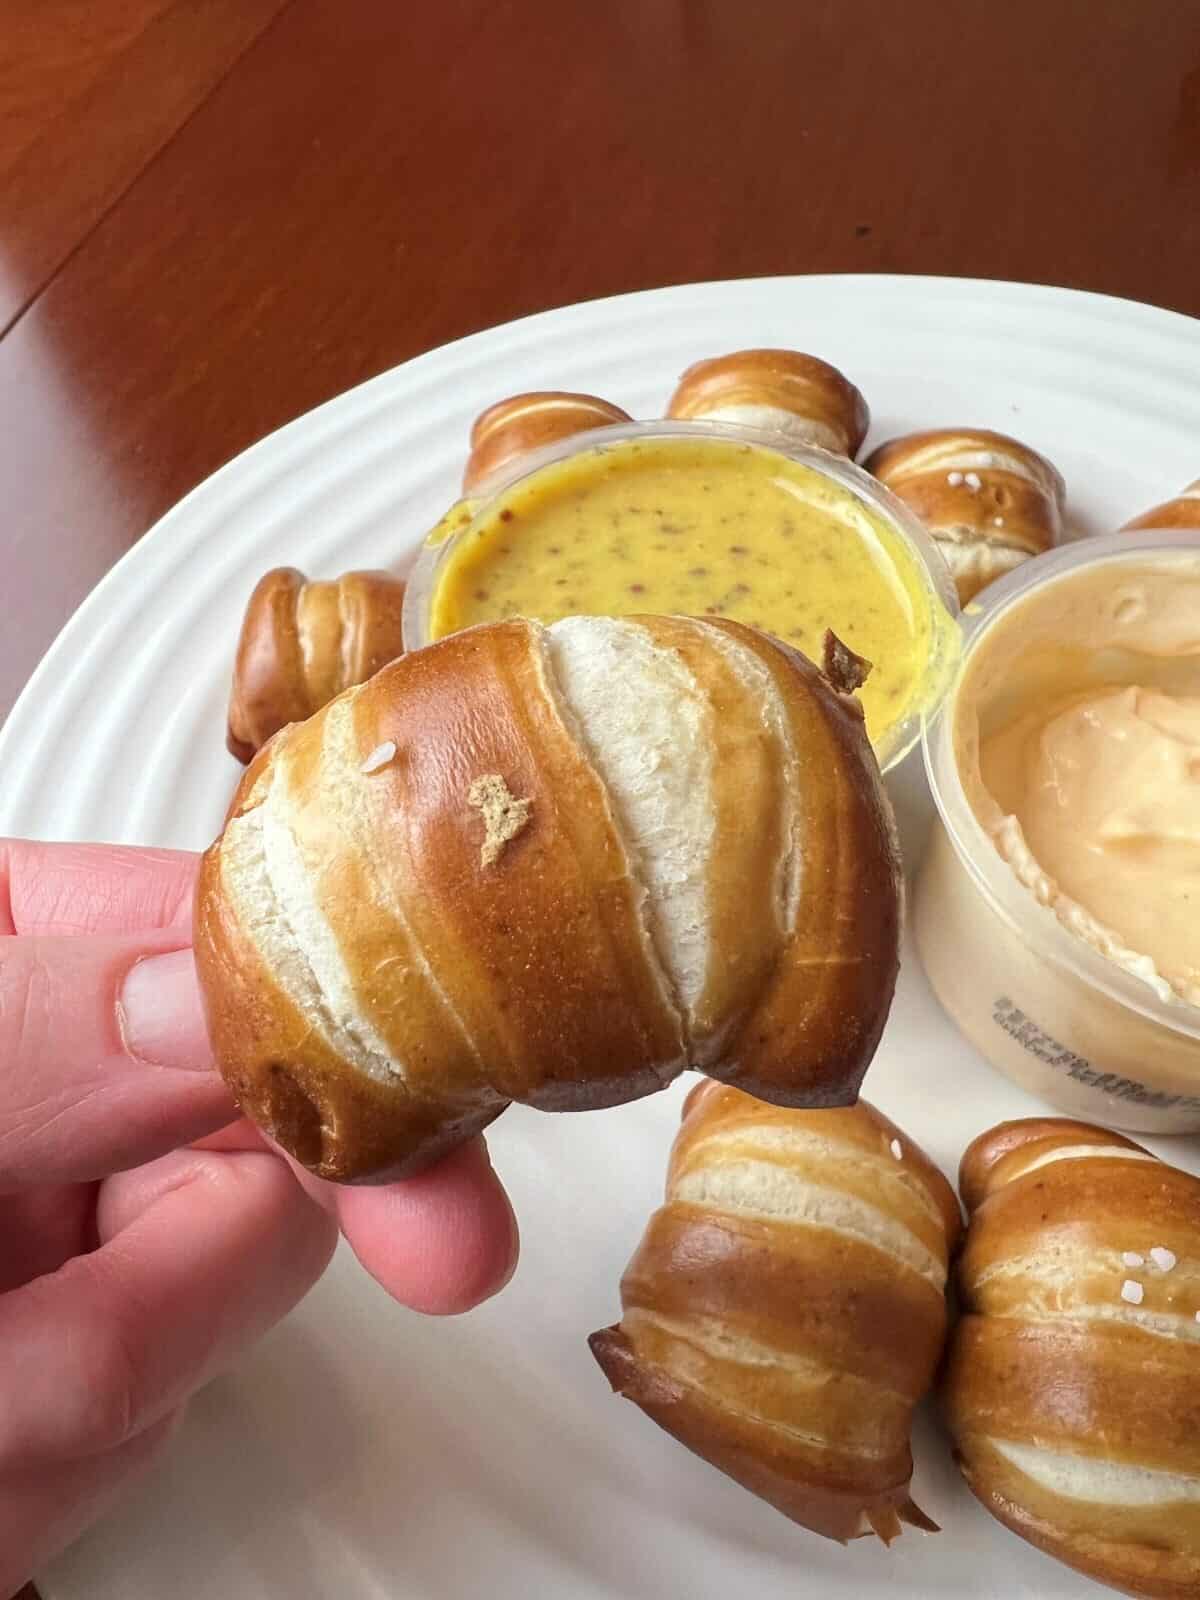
147 1236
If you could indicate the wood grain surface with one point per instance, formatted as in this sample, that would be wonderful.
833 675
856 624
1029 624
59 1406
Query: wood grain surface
215 214
368 180
92 107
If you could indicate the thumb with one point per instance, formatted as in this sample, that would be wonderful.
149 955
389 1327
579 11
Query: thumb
104 1058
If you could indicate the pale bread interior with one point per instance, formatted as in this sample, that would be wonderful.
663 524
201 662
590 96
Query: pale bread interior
953 454
766 1191
978 560
267 882
1113 1483
896 1184
789 425
646 728
760 683
1060 1284
1074 1152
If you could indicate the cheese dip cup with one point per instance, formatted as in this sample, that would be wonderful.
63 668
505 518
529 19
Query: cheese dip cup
704 519
1054 910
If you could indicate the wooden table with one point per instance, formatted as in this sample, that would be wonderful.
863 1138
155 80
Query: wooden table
216 213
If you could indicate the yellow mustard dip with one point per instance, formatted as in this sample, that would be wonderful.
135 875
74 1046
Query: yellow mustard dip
700 527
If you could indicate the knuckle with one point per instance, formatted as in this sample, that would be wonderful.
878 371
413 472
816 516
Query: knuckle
26 1101
26 992
73 1390
103 1412
102 1366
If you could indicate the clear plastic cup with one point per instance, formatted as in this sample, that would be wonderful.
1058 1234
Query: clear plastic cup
933 584
1042 1005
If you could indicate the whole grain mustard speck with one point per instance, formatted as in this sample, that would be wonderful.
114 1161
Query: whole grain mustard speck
700 528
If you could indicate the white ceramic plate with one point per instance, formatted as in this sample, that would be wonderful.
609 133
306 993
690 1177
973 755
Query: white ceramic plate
363 1451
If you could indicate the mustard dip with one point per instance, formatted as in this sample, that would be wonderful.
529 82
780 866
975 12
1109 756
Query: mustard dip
702 527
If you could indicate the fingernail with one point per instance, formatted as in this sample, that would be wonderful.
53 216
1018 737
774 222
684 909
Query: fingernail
160 1015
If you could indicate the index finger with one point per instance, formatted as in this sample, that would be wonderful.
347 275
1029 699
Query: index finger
93 888
439 1242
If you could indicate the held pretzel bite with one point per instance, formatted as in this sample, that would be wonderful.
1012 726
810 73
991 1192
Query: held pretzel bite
512 428
1073 1383
989 501
803 399
553 865
302 643
785 1310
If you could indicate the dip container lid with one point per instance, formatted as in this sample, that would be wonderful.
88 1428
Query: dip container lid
930 571
992 876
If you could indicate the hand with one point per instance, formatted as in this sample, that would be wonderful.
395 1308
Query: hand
147 1236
